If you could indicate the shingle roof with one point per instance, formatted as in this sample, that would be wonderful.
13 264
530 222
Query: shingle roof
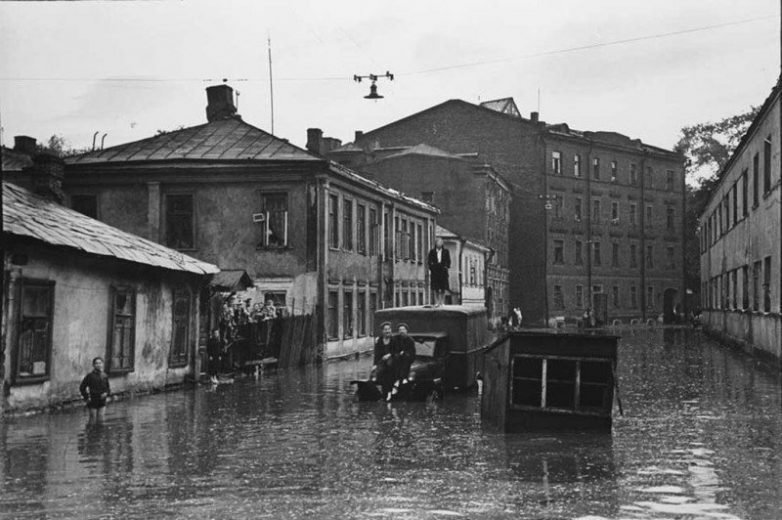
220 140
28 215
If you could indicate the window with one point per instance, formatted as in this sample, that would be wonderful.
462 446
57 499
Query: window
615 254
767 165
404 299
669 218
473 272
669 180
413 252
333 221
669 253
181 331
347 224
650 256
767 284
332 329
579 254
421 250
275 224
615 296
745 287
596 249
559 254
596 211
559 298
179 222
744 195
596 168
756 273
561 383
579 296
633 255
556 163
614 212
559 203
577 165
735 204
650 297
427 196
613 171
726 203
34 343
633 214
85 204
577 209
633 297
361 313
120 355
734 293
372 309
347 314
633 174
361 228
649 180
373 228
755 180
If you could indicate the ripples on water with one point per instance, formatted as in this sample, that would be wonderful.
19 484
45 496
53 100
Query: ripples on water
701 438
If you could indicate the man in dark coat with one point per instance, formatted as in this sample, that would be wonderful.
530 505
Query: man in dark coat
385 358
95 390
439 261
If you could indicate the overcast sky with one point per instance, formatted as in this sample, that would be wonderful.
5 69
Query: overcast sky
641 68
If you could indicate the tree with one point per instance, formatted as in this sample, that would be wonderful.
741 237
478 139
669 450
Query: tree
59 146
707 147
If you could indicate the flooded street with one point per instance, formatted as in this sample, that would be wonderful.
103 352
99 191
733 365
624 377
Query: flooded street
701 437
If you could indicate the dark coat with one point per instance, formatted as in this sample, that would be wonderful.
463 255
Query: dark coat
94 384
381 349
439 270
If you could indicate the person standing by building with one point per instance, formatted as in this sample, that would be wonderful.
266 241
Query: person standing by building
214 352
95 390
439 261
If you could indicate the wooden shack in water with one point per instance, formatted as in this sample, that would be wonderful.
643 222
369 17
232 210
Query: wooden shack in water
543 379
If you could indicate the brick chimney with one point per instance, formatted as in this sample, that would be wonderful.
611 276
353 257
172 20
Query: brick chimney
534 117
358 135
24 144
220 103
314 140
47 173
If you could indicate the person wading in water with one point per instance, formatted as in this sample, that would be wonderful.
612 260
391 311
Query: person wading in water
95 390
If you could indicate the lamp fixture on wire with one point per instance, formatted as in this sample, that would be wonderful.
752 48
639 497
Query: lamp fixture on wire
373 87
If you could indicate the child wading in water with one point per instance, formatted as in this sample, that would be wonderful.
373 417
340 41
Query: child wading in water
95 390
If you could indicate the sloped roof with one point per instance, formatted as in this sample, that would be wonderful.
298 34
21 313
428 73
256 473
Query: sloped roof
422 149
28 215
14 161
229 139
505 105
232 280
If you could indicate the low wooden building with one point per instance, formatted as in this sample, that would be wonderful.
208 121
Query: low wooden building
540 379
467 277
75 288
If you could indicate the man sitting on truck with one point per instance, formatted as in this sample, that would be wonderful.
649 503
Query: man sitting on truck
405 354
383 368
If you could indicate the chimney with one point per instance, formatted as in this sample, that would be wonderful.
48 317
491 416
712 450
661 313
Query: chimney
47 173
358 136
329 144
534 116
24 144
220 103
314 140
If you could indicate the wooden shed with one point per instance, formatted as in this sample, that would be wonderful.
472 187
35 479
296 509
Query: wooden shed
543 379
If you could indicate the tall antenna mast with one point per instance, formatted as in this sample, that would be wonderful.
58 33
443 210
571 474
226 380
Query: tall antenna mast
538 100
271 83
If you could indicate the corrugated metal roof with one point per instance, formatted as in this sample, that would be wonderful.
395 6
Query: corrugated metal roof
229 139
28 215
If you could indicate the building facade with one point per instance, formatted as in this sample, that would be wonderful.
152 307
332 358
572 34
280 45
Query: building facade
632 261
75 288
468 276
474 200
740 241
310 233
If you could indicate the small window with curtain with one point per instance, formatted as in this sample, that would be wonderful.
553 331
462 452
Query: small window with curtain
275 222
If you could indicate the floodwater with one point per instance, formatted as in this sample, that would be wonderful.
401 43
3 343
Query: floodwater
700 438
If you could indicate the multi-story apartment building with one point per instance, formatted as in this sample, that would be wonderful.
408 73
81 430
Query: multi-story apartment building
473 199
591 213
740 240
312 233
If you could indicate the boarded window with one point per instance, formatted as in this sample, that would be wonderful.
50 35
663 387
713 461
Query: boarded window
34 344
121 349
275 225
181 333
180 228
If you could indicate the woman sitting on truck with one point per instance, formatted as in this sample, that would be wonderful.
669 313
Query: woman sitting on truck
385 359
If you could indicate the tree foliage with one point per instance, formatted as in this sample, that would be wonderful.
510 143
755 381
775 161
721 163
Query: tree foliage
59 146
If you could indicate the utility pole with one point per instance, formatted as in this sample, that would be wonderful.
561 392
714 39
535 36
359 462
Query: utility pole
271 82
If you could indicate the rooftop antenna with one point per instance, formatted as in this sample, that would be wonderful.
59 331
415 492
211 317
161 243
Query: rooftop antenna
271 83
538 100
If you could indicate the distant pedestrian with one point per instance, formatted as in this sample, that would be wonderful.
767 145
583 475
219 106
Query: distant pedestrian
439 261
515 318
95 390
214 352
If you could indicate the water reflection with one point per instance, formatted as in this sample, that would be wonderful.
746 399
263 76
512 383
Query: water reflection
700 438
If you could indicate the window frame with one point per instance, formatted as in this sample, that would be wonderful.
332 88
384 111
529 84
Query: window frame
180 359
115 291
193 246
16 377
265 233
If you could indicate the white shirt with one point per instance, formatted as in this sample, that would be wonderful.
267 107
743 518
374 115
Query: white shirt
439 255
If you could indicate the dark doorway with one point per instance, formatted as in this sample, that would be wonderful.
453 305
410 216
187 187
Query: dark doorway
669 305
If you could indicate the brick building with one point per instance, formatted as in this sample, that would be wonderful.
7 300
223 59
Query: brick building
740 241
625 239
309 232
474 200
